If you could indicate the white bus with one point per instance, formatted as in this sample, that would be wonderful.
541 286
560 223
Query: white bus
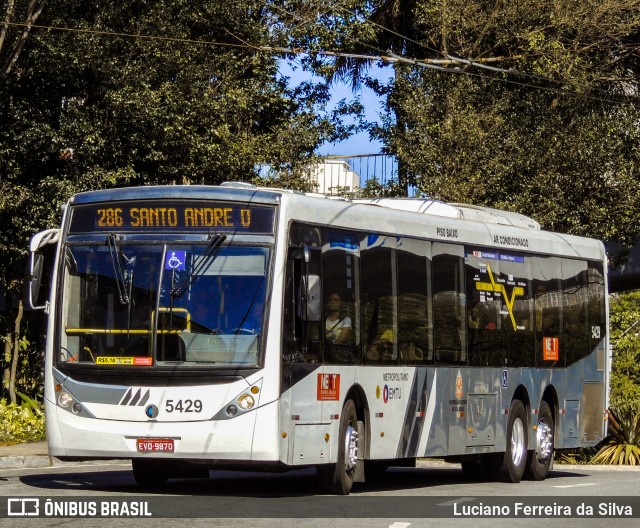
195 327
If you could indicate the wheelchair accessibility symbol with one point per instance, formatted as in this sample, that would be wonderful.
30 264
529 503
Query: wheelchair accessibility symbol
175 260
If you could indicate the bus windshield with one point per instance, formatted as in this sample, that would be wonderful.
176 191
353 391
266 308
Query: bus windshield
181 304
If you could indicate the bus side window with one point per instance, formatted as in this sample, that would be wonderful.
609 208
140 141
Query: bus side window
414 315
548 310
291 323
379 304
340 275
449 304
446 321
301 330
596 305
576 334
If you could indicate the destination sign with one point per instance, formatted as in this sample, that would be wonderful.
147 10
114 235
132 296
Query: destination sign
173 216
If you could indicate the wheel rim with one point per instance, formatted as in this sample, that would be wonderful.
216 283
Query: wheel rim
517 442
544 441
350 449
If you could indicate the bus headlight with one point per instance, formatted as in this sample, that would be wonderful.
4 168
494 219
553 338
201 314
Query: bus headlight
65 399
246 401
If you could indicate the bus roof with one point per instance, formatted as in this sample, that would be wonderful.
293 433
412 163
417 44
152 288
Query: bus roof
422 217
244 191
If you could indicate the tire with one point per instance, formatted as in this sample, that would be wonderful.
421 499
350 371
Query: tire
149 472
514 460
540 456
338 478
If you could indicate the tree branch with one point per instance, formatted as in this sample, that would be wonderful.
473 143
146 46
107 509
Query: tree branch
32 16
8 15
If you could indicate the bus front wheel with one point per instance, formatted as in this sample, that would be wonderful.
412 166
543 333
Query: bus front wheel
338 478
515 457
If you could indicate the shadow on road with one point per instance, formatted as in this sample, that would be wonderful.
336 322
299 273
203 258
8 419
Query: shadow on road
298 483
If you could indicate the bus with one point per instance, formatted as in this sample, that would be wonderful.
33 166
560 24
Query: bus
201 327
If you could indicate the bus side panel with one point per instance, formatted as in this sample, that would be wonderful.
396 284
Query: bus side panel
435 435
310 415
54 439
582 416
387 392
266 435
473 401
593 417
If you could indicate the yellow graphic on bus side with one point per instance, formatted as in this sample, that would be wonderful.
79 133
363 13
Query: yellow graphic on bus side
517 291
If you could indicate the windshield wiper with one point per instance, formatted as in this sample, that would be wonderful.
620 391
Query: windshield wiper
200 264
123 275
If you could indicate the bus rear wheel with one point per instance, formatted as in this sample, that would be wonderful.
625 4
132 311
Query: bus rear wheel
541 455
514 460
338 478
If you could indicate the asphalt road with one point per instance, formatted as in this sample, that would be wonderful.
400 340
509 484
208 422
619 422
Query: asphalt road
407 497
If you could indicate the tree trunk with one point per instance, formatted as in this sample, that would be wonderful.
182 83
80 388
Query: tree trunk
16 353
6 373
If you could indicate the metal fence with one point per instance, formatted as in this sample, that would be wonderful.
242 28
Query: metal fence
352 175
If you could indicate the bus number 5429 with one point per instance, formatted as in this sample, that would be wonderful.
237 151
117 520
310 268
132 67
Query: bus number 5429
186 406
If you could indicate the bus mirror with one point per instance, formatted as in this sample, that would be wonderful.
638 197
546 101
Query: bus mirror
313 306
35 280
36 266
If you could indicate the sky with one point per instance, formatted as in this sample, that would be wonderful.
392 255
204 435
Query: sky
359 143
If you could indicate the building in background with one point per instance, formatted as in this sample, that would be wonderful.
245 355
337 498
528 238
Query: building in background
334 177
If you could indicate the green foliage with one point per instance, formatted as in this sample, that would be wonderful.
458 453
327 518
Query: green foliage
575 457
376 189
623 446
20 423
543 135
624 309
142 93
190 99
30 403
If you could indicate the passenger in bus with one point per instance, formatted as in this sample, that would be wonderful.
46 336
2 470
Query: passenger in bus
382 348
480 318
338 327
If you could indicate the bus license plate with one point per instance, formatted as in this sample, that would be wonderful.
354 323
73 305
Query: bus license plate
153 445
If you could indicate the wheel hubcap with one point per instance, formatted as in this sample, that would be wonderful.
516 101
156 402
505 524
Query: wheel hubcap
517 442
350 449
544 441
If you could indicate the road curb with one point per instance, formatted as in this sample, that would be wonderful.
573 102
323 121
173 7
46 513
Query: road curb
44 461
25 462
